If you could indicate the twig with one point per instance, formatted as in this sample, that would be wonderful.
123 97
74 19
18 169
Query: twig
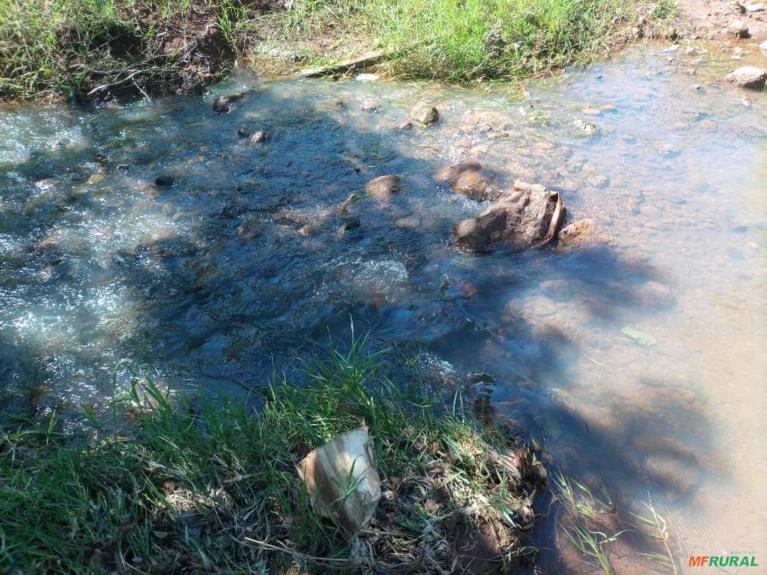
140 89
116 83
594 361
368 59
294 553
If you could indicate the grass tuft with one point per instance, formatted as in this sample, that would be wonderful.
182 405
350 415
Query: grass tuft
460 41
93 48
661 533
170 485
586 520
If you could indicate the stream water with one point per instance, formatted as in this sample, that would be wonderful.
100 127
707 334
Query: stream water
237 259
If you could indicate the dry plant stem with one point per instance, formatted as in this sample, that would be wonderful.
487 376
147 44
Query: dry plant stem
296 554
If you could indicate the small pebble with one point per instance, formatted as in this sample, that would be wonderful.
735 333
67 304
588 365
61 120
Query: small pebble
164 181
350 224
221 105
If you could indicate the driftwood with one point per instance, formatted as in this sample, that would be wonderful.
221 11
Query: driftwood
346 66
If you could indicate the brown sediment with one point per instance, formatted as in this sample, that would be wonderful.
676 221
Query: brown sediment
715 20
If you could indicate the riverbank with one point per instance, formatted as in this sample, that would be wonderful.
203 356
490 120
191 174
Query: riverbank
167 484
103 50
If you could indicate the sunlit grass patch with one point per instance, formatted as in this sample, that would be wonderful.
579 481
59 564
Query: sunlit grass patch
91 47
475 39
192 485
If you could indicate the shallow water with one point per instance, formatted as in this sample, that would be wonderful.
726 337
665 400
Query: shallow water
242 263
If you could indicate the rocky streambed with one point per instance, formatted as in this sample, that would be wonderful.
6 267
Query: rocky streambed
586 258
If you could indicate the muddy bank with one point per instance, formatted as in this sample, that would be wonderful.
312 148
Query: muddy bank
138 50
728 22
143 49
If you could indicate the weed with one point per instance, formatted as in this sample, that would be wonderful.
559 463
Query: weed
591 544
475 39
580 499
586 519
661 534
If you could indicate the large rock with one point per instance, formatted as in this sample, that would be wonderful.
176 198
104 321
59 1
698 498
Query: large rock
749 77
424 113
466 179
528 217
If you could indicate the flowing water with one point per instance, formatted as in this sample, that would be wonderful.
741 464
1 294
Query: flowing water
637 360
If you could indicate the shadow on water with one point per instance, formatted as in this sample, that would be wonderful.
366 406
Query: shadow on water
245 254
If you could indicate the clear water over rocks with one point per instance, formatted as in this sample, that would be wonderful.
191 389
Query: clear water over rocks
156 233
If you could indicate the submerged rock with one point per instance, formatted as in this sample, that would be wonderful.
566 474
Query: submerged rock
472 185
653 293
466 179
580 234
250 228
749 77
258 137
346 205
586 129
223 104
450 174
164 181
383 188
424 113
408 223
528 217
350 224
377 280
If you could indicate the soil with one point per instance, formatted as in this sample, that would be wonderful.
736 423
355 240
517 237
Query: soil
711 20
182 54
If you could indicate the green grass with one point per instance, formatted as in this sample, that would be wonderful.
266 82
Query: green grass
660 532
77 47
586 520
70 47
170 484
465 40
592 524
